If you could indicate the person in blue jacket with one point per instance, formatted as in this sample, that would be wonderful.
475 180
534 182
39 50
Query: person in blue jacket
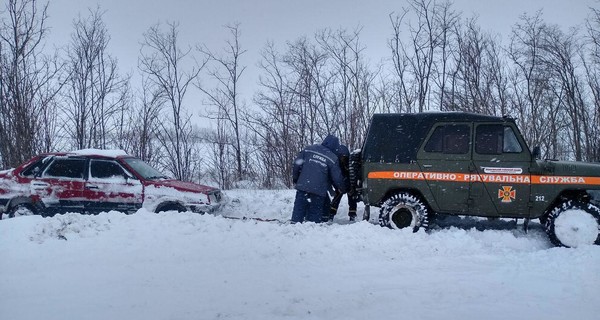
316 169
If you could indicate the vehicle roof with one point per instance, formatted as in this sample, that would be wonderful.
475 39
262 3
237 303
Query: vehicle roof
454 116
396 137
93 153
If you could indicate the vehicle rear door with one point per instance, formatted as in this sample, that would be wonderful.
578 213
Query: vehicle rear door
502 182
60 185
444 160
111 187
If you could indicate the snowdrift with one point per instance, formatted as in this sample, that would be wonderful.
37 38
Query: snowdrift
189 266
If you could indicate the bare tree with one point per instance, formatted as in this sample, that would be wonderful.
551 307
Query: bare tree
478 80
309 82
534 103
277 140
349 92
425 40
225 97
28 82
400 58
448 22
96 92
560 58
164 62
313 88
423 61
142 127
592 70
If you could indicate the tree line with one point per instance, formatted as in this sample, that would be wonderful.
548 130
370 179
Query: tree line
545 77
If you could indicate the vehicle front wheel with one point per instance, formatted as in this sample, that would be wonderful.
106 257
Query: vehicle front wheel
170 206
403 210
22 209
573 224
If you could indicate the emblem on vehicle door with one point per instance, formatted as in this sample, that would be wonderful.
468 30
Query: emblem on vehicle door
507 194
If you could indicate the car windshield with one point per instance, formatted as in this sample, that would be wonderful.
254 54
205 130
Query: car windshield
144 169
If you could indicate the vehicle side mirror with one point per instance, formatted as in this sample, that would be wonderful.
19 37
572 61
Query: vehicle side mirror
535 155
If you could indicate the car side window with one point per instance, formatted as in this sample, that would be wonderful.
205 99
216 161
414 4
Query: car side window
496 139
103 169
35 167
449 139
66 168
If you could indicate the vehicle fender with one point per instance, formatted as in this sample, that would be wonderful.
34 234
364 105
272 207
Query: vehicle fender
565 195
23 200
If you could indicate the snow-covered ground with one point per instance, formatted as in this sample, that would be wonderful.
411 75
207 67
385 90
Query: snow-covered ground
189 266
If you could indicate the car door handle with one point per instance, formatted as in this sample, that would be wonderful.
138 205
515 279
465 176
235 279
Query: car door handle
36 185
427 166
40 184
91 186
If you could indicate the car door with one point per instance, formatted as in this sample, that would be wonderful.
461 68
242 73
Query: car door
111 187
444 160
502 183
60 185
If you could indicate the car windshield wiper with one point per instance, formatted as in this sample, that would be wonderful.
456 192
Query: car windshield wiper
157 177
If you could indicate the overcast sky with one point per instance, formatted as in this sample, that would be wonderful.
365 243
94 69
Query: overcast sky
202 21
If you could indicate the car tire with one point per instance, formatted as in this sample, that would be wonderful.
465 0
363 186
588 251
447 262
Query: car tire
403 210
170 206
573 223
21 209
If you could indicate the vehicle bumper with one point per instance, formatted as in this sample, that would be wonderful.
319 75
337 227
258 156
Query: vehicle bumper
203 207
216 201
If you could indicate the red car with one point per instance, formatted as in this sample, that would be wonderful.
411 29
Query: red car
91 181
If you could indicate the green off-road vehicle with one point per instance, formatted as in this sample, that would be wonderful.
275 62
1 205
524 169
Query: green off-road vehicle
413 166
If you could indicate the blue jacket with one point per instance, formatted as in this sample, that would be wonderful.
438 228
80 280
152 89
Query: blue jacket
317 168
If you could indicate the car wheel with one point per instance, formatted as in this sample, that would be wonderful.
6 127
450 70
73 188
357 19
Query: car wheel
170 206
573 224
404 210
22 209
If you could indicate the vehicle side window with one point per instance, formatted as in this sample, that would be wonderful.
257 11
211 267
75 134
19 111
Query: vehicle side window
489 139
35 167
66 168
449 139
103 169
511 143
496 139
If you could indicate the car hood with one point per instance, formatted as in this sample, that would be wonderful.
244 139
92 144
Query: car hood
578 168
184 186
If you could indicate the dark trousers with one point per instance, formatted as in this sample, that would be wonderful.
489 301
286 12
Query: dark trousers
308 207
335 203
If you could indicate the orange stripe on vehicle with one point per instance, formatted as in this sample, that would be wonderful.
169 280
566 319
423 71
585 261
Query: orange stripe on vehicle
450 176
565 180
487 178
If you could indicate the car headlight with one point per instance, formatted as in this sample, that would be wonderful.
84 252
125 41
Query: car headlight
214 197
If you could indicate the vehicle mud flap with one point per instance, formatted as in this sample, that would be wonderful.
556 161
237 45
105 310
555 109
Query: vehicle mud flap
526 225
367 213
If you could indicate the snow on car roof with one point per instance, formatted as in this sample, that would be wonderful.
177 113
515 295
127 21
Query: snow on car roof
100 152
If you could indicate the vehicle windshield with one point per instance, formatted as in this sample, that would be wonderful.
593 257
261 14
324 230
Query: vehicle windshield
144 169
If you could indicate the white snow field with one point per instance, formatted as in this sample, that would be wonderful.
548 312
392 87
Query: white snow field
190 266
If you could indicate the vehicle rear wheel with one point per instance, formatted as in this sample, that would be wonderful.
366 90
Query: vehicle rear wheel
573 224
22 209
404 210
